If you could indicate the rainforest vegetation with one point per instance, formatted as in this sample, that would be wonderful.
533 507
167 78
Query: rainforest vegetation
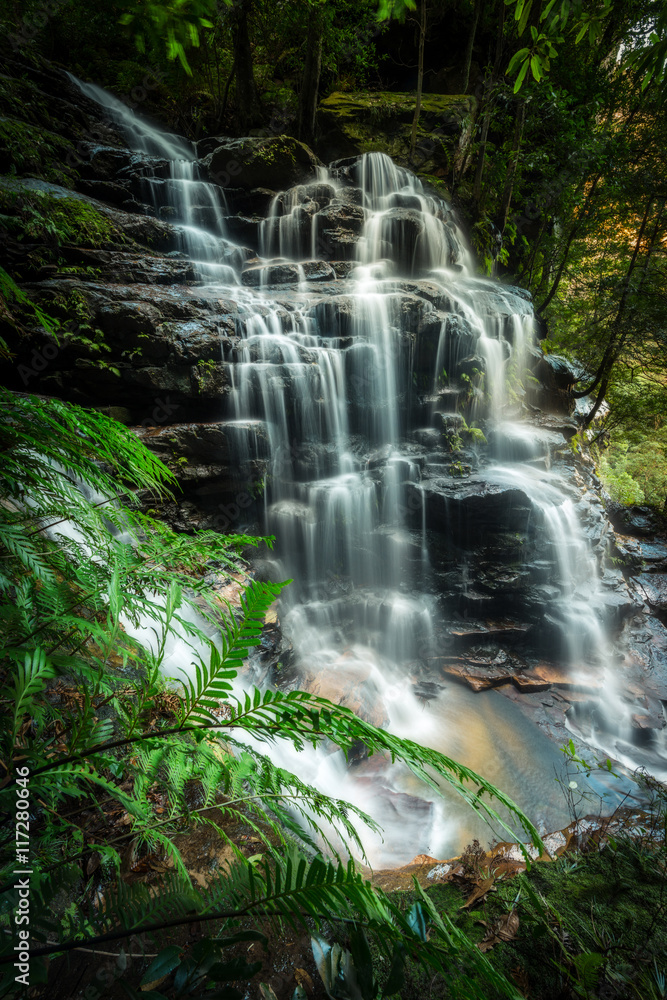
558 172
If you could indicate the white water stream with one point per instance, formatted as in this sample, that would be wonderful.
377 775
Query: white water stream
331 395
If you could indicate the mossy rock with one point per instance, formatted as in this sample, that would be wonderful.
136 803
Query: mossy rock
48 215
27 150
275 162
44 218
382 121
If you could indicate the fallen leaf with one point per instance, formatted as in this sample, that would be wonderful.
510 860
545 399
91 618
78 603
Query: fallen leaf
505 929
266 992
480 892
508 926
304 980
93 863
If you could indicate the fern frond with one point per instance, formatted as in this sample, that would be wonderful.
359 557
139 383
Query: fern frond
211 683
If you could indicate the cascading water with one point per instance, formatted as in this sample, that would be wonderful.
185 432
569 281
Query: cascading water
173 186
352 391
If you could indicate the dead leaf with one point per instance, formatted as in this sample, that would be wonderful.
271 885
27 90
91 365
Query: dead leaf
149 987
304 980
93 863
508 926
266 992
505 929
480 892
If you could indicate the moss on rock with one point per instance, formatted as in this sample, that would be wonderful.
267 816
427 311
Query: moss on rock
275 162
382 121
28 150
43 217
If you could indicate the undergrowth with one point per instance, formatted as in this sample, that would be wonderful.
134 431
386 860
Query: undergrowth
125 722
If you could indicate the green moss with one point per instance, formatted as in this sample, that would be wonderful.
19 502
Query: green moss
475 434
281 148
44 217
28 150
459 470
21 98
389 104
382 121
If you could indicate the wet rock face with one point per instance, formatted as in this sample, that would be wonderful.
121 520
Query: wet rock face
203 456
203 371
260 275
162 342
475 508
354 123
277 163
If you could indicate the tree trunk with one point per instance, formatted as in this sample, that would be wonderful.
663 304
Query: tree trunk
487 109
581 218
311 73
510 176
481 158
248 108
420 80
479 5
619 335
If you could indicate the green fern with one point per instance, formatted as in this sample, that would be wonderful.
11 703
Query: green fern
80 702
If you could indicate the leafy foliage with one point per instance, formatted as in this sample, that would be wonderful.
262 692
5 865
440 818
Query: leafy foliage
93 593
12 295
177 25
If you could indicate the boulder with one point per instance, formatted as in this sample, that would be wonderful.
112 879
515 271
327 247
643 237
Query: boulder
276 162
471 509
637 521
253 203
557 372
208 144
360 122
652 588
284 273
340 212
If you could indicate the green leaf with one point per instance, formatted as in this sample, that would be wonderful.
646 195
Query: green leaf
547 10
396 976
417 921
516 59
363 963
524 10
168 959
521 77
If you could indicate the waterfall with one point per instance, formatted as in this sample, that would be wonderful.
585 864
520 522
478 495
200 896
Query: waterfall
359 393
172 182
